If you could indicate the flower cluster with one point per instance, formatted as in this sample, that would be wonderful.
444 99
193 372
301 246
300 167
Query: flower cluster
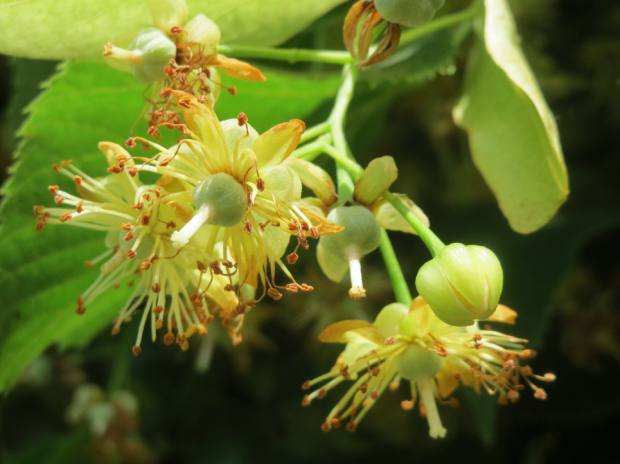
220 216
414 345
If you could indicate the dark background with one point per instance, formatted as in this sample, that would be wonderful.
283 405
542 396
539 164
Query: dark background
563 280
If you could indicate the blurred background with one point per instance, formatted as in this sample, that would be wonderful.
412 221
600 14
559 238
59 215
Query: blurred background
220 404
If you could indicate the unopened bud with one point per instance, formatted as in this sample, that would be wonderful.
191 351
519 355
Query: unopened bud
461 284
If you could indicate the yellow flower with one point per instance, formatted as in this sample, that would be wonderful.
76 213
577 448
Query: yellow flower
247 199
170 284
414 345
180 55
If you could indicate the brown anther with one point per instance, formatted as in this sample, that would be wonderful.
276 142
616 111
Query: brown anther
345 373
260 184
513 395
130 283
305 401
364 388
38 210
159 323
503 400
57 168
146 264
292 258
351 427
457 376
322 394
116 168
81 308
374 395
185 102
132 171
229 288
78 180
389 340
89 264
549 377
79 207
453 402
58 199
242 119
508 365
169 338
375 371
273 293
248 227
126 226
335 422
306 288
53 189
294 288
165 161
131 254
138 206
130 142
129 236
136 350
540 394
65 217
526 371
525 354
146 220
156 287
116 330
326 427
232 90
314 233
158 310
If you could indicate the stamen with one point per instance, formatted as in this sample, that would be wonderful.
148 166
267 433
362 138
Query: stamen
181 237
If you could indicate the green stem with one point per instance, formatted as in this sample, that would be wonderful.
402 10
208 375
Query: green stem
315 131
311 150
352 169
291 55
431 241
401 289
336 120
440 23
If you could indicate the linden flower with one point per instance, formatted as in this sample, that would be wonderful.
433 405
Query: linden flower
181 55
413 344
247 198
140 219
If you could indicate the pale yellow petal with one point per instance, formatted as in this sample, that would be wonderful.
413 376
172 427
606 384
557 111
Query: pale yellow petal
315 178
503 314
351 331
446 383
378 176
390 219
275 145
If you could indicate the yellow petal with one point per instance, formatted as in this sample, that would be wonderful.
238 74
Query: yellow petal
203 123
319 222
275 145
315 204
503 314
315 178
446 383
237 69
378 176
390 219
351 331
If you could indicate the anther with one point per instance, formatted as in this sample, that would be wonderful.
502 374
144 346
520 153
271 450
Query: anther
169 338
57 168
58 199
292 258
136 350
131 254
156 288
306 385
65 217
540 394
406 405
53 189
326 427
79 207
351 426
306 288
260 184
248 227
305 401
549 377
273 293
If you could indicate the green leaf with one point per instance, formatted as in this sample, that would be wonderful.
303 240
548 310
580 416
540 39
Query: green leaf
70 29
421 60
281 98
42 273
513 135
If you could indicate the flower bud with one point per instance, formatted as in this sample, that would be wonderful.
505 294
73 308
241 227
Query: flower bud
148 55
361 235
410 13
168 14
204 33
461 284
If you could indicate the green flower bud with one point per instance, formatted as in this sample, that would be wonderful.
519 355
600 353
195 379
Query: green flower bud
168 14
389 319
148 55
461 284
224 197
360 236
418 363
204 33
410 13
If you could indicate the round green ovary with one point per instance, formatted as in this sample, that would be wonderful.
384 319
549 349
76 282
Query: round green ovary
410 13
224 197
361 231
418 363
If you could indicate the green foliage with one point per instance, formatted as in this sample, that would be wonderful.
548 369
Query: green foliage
69 29
513 135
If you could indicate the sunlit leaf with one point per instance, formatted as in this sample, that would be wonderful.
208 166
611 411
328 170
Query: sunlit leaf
513 135
66 29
